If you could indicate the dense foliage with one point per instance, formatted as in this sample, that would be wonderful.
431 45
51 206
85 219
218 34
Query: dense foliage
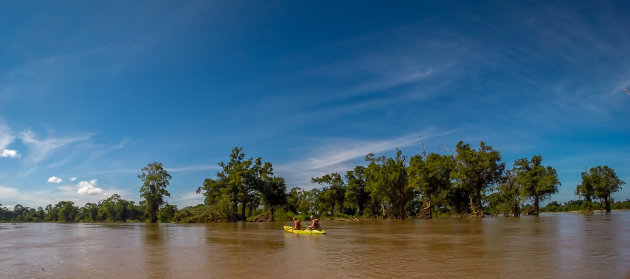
155 179
470 181
599 182
242 184
112 209
582 205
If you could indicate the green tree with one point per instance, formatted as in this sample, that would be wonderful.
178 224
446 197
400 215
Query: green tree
430 175
334 194
51 213
240 182
494 203
387 181
274 194
167 212
535 180
5 214
18 211
599 182
302 201
67 211
510 195
155 179
586 189
230 186
115 209
262 185
41 215
356 191
89 212
475 171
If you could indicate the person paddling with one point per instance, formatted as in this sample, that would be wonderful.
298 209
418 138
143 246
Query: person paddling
314 224
297 225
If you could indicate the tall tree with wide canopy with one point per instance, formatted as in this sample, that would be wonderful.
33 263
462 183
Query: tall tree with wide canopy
259 179
334 193
536 181
356 192
510 193
240 181
302 201
387 181
230 186
274 193
476 170
155 179
599 182
430 175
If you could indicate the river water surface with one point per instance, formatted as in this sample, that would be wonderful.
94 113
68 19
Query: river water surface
563 245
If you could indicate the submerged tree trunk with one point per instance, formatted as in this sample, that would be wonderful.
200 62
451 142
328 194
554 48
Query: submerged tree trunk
152 213
235 210
384 211
332 211
244 217
401 204
475 205
273 211
516 210
536 205
473 210
607 202
425 211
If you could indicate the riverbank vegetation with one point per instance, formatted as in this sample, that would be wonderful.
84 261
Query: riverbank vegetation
469 182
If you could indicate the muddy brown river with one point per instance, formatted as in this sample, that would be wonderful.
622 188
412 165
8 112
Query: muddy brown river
562 245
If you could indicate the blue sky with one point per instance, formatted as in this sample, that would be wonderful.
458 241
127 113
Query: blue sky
91 92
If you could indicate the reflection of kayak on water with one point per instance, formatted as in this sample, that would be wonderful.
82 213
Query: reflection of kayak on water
291 230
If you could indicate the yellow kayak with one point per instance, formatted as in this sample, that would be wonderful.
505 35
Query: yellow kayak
291 230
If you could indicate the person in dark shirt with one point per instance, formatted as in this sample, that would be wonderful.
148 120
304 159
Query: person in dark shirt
297 225
314 224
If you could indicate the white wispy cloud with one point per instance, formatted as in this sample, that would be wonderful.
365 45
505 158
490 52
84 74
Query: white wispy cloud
344 150
12 196
6 192
39 150
189 199
6 138
406 77
194 168
88 188
335 154
72 179
54 179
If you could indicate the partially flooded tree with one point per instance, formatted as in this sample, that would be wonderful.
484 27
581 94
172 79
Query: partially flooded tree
274 194
260 184
430 175
510 194
475 171
536 181
387 181
242 182
229 187
155 179
599 182
357 194
334 194
167 212
67 211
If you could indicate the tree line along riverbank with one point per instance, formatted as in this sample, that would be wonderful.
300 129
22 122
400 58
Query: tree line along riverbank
469 182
